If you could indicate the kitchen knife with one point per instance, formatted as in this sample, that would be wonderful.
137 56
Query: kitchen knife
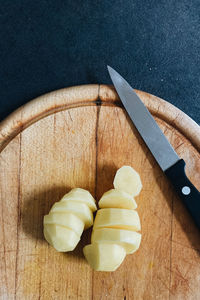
169 161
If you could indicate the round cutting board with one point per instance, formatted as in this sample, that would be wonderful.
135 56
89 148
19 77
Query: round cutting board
79 137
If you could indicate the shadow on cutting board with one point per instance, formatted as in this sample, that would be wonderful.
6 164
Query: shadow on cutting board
38 205
35 206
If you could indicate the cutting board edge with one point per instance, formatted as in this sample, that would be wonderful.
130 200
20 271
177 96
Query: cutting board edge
92 94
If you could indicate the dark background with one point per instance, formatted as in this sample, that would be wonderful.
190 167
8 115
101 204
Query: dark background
48 45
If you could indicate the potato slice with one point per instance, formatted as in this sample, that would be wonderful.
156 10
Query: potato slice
128 180
117 218
82 196
104 257
67 220
81 210
61 238
130 240
117 199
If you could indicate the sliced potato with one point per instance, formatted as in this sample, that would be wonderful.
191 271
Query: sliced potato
128 180
117 199
82 196
81 210
67 220
104 257
61 238
117 218
130 240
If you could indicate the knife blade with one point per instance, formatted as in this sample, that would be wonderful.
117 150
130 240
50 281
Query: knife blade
169 161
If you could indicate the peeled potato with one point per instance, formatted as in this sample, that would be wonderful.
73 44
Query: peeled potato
117 199
128 180
61 238
64 224
82 196
67 220
130 240
104 257
117 218
81 210
114 232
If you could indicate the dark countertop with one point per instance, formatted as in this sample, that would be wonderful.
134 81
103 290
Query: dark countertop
48 45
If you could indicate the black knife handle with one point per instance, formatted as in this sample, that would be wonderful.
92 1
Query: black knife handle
185 189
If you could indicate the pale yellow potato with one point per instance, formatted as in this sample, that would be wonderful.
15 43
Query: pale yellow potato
130 240
117 199
67 220
117 218
128 180
82 196
104 257
81 210
61 238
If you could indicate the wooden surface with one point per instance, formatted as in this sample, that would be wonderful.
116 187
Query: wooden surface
79 137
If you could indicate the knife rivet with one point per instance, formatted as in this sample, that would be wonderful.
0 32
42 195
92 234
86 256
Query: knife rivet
186 190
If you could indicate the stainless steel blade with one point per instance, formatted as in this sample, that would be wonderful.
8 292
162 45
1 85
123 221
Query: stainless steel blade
144 122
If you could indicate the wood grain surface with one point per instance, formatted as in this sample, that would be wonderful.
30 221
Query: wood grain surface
79 137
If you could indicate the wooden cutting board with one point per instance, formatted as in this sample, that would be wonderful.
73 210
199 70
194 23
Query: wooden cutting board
79 137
